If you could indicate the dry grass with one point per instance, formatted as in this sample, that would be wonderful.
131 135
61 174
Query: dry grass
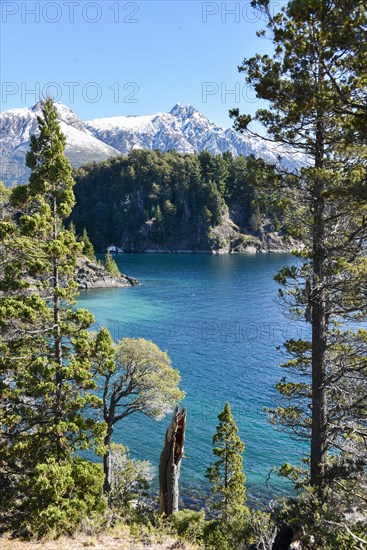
119 539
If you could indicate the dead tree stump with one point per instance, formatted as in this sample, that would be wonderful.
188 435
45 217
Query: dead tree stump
170 463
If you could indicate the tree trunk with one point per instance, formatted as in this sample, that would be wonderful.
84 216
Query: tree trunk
58 411
170 463
319 324
57 306
107 462
108 416
319 338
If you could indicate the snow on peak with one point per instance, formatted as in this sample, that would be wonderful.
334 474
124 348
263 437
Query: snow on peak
65 114
183 111
132 122
186 130
17 126
183 128
69 117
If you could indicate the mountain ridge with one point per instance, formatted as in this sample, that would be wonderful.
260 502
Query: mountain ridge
16 127
183 128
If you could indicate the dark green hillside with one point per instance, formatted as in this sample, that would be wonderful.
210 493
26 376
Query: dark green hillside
171 201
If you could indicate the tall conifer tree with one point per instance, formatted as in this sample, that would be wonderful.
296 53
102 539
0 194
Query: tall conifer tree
226 473
315 86
46 351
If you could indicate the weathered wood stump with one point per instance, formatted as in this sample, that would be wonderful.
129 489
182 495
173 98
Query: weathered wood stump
170 463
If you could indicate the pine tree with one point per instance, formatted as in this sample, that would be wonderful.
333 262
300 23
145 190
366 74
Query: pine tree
72 228
159 231
88 249
226 473
110 265
46 355
315 88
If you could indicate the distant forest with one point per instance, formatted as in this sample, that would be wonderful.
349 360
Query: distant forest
171 200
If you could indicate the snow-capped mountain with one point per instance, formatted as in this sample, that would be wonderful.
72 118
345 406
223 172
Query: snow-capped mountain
16 127
183 128
186 130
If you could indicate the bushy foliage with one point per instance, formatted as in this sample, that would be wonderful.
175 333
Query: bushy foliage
189 525
323 522
217 536
139 378
334 517
129 480
57 498
168 199
233 535
262 529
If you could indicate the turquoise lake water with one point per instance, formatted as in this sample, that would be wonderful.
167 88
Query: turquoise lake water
220 320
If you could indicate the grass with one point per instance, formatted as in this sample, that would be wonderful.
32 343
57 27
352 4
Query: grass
118 538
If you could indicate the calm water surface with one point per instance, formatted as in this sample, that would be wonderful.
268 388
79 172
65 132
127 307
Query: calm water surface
219 319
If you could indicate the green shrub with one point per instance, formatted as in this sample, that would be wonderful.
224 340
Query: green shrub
325 523
230 535
130 481
59 497
262 529
189 524
218 537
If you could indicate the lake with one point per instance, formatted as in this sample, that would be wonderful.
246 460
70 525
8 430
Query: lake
220 321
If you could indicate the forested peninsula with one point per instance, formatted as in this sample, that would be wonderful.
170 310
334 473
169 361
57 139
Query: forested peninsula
152 201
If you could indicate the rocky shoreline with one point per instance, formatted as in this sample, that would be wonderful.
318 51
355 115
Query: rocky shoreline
92 274
225 238
271 243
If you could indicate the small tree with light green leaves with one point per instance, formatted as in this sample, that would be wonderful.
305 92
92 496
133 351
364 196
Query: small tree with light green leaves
133 376
130 479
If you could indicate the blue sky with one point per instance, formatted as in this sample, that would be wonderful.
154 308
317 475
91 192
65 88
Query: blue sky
110 57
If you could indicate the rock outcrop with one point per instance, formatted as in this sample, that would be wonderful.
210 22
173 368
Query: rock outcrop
228 238
225 238
271 240
92 274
